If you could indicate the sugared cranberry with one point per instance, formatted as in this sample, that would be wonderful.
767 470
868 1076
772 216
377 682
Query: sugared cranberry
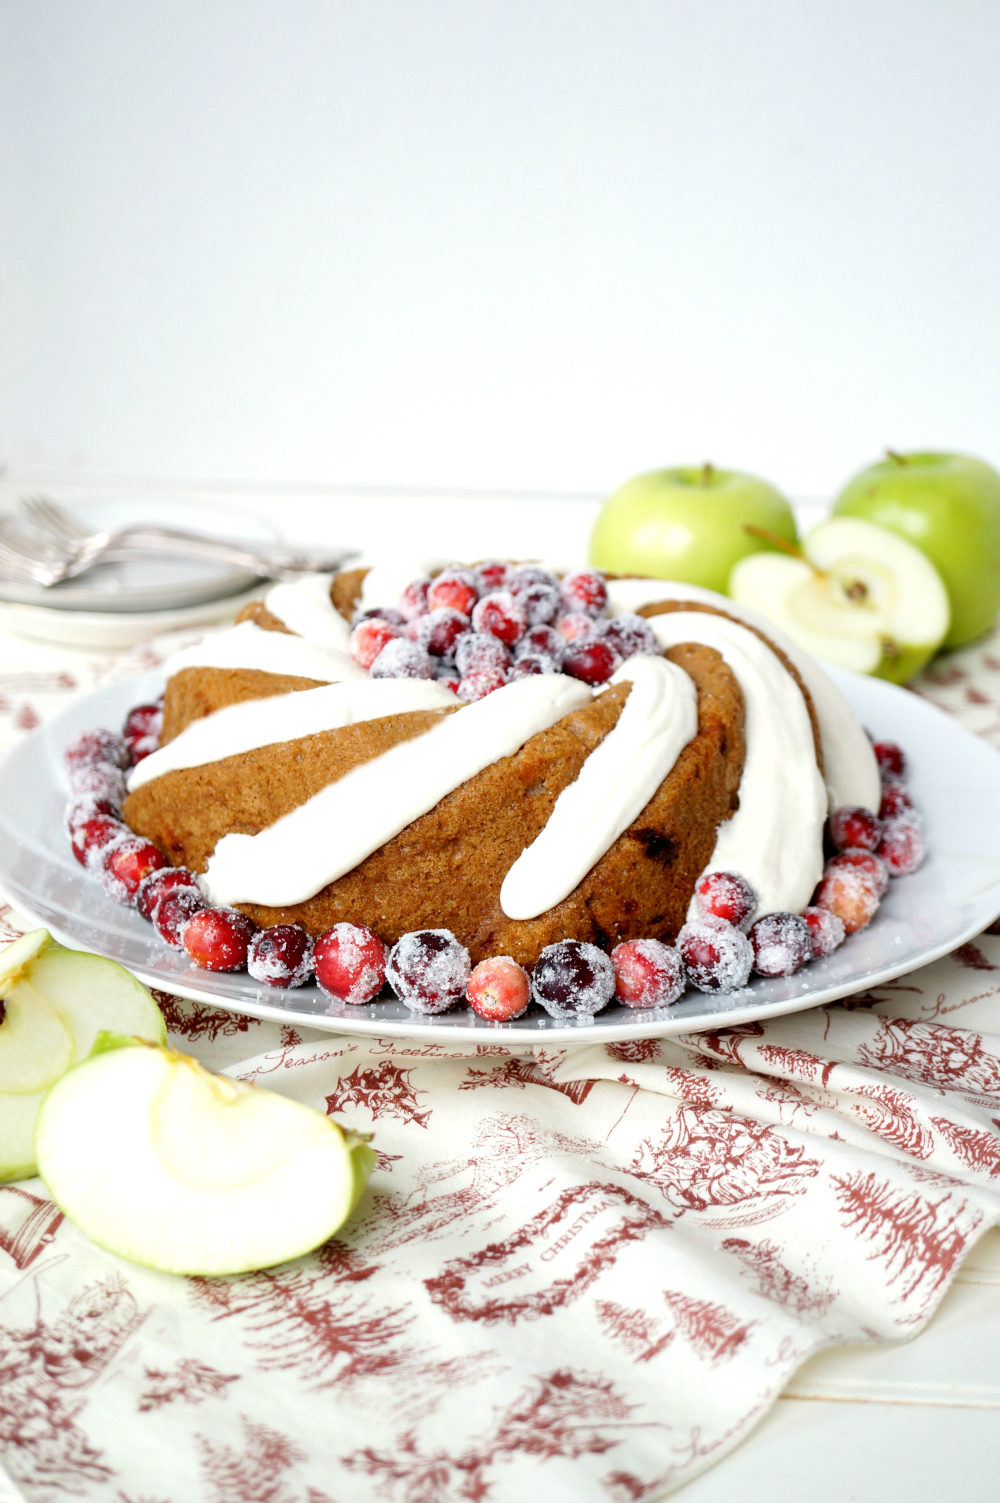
850 893
477 651
455 589
630 635
500 615
99 780
349 962
448 679
380 613
402 659
499 989
782 943
413 601
541 641
175 911
865 861
92 835
428 970
574 625
589 659
903 846
125 864
154 888
439 632
492 575
141 731
538 592
896 800
725 895
717 956
890 759
96 748
530 665
369 637
79 810
218 939
280 956
648 973
584 590
480 682
852 827
573 979
827 931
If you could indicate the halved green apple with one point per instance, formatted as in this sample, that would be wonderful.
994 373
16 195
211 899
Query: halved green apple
859 596
160 1161
53 1004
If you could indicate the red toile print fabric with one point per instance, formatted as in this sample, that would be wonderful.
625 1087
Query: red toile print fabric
579 1273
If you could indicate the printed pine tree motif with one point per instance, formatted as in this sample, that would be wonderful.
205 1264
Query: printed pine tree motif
953 1059
800 1064
642 1336
972 957
919 1241
688 1085
978 1150
890 1113
776 1282
633 1051
190 1381
385 1089
715 1332
196 1020
258 1471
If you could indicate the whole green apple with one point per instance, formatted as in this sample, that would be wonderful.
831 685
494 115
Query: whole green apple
687 524
949 506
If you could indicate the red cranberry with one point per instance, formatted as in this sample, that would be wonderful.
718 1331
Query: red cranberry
96 748
477 651
538 592
850 893
530 665
142 729
174 912
92 835
369 637
125 863
349 961
380 613
826 929
584 590
717 956
782 943
541 641
500 615
413 601
455 589
448 680
852 827
79 810
574 625
402 659
573 979
492 575
890 759
866 861
280 956
630 635
439 631
499 989
154 888
589 659
896 800
903 846
218 939
428 970
100 781
725 895
477 684
648 973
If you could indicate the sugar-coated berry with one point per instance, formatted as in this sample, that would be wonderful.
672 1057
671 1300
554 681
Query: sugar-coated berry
531 664
725 895
369 637
456 589
717 956
630 635
538 592
280 955
95 748
541 641
477 651
573 979
903 846
854 827
448 679
413 601
124 864
500 615
429 970
218 939
79 810
439 631
479 682
850 893
782 944
589 659
865 861
574 625
499 990
896 800
584 590
402 659
491 575
154 887
826 929
349 962
90 836
99 780
174 912
890 759
648 973
381 613
141 731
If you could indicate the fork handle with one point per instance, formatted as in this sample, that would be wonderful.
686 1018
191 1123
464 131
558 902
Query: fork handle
271 560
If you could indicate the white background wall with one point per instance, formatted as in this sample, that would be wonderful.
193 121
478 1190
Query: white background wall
529 244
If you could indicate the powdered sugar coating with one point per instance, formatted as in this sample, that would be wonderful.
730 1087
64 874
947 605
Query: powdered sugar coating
349 962
98 780
96 747
492 574
903 846
218 939
574 624
429 970
584 590
369 637
541 641
896 801
827 930
573 979
457 589
648 973
402 659
782 944
477 684
123 863
725 895
500 614
174 912
891 760
439 632
538 592
590 659
630 635
280 956
90 837
717 956
477 651
413 601
156 884
79 810
852 827
868 862
850 893
532 663
142 729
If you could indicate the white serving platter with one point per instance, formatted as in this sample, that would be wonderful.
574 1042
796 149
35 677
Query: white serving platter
954 777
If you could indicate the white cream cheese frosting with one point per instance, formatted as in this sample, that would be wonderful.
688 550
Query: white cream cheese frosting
659 718
254 723
305 607
248 646
775 838
849 765
335 830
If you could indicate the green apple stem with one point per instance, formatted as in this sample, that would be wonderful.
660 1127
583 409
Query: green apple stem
707 471
775 541
895 456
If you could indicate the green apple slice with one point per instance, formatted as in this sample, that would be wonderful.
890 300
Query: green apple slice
53 1004
860 597
160 1161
